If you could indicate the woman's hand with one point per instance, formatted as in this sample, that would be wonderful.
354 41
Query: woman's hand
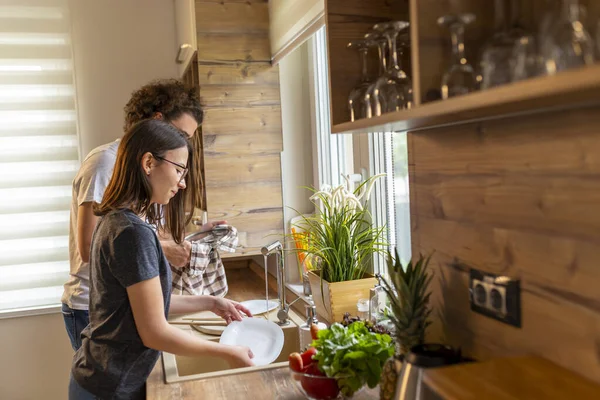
229 310
240 356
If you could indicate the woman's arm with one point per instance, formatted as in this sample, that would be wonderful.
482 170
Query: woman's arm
229 310
146 301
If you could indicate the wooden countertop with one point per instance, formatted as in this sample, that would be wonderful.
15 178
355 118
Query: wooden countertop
510 378
261 385
244 284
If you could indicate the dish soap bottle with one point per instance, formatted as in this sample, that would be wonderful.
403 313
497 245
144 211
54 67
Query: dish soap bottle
311 318
377 297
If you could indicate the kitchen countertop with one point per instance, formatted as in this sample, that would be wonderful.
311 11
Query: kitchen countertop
275 383
268 384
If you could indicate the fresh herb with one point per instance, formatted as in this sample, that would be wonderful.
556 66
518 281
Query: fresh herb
353 355
376 328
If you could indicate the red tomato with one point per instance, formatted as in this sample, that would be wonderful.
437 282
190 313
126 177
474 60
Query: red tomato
296 362
307 356
313 369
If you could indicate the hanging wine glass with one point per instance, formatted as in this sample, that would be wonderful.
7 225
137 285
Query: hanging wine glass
356 104
497 55
526 61
570 44
378 40
460 77
395 86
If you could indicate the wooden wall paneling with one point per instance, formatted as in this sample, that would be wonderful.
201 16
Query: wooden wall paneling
228 17
346 21
242 133
238 73
246 47
516 197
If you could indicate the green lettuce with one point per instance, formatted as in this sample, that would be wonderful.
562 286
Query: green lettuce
352 355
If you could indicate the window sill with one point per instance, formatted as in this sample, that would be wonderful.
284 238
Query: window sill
30 311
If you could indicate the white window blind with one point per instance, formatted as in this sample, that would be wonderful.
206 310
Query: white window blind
291 22
38 151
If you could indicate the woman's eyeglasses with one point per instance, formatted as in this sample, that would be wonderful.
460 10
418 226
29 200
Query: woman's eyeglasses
181 169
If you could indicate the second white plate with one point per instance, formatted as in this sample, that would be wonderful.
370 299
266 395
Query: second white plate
264 338
258 307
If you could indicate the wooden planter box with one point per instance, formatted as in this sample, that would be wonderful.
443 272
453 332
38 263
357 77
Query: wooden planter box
339 297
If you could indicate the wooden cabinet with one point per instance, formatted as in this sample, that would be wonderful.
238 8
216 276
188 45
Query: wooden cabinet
429 57
185 34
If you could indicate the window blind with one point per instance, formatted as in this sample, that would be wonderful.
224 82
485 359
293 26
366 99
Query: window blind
291 22
39 153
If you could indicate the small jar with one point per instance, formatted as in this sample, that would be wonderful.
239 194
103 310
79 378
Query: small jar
363 309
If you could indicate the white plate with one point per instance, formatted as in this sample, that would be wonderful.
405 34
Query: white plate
258 307
265 338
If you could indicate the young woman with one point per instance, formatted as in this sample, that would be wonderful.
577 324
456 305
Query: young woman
130 277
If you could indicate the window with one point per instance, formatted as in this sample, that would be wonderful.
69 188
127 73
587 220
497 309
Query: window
361 156
39 153
333 152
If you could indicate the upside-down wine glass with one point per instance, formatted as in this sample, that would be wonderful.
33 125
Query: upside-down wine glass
394 86
356 104
379 40
460 77
570 44
497 61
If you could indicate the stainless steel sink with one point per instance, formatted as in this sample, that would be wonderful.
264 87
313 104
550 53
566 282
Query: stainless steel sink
182 368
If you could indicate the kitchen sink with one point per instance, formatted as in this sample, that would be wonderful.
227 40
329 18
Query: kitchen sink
182 368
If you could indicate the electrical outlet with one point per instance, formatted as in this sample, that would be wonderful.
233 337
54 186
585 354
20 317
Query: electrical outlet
498 297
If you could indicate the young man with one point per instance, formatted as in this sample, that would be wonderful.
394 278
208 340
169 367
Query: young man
169 100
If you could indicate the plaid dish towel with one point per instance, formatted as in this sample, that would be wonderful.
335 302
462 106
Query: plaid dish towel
205 274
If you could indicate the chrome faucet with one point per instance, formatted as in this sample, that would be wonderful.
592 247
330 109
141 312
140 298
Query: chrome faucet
277 248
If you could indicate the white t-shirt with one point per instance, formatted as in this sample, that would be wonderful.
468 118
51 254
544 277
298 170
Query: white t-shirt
89 185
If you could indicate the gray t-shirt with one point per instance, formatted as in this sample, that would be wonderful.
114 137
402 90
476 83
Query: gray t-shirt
88 185
112 362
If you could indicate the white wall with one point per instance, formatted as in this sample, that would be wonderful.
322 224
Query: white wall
35 358
297 157
118 46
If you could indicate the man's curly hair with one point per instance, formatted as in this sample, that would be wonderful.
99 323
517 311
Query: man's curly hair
170 97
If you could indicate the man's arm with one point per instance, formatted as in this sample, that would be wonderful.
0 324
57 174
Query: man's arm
86 222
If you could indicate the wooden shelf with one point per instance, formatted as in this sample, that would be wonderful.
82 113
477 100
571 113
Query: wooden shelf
575 88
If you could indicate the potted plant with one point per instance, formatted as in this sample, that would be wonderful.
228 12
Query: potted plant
408 293
342 241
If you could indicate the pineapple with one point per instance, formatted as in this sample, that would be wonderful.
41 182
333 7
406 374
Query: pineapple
408 293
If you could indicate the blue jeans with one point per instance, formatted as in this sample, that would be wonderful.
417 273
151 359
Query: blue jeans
76 392
75 321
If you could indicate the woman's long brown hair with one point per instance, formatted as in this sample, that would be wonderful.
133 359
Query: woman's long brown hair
129 187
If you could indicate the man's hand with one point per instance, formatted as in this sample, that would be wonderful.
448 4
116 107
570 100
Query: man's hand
178 255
